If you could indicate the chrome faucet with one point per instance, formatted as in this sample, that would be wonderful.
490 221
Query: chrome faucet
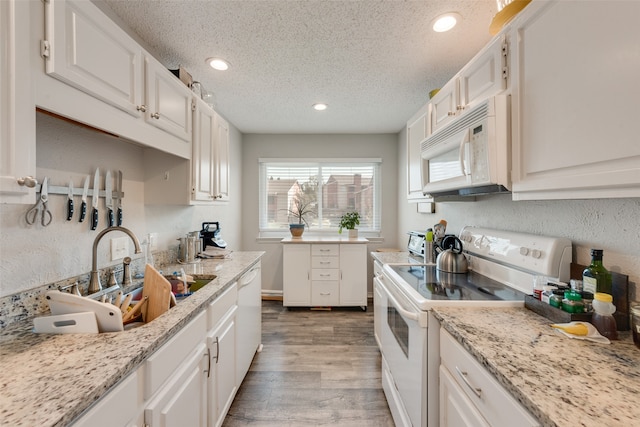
94 282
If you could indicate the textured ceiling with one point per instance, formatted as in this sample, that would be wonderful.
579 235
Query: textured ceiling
373 62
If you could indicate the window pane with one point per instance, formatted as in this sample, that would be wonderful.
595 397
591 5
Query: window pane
324 190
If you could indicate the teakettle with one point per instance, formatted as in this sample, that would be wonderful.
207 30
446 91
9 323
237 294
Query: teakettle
451 259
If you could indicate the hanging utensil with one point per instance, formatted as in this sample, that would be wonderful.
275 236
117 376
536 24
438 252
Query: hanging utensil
41 206
108 197
119 190
70 201
85 192
96 195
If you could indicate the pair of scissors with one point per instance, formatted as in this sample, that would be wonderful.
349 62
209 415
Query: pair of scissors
41 205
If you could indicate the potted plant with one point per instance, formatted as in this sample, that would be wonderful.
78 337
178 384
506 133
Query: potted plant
349 221
300 208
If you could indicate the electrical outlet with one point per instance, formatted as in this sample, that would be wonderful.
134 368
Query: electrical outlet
119 248
153 241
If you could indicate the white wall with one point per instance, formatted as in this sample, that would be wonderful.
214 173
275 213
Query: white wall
609 224
256 146
34 255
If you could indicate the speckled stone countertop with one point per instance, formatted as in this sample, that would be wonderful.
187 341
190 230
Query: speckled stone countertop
49 380
561 381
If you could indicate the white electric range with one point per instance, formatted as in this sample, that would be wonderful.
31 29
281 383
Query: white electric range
502 267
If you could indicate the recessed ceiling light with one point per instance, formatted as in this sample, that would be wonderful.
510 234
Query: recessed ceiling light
446 22
218 64
320 106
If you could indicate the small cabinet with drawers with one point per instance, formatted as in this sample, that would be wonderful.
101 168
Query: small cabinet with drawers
317 273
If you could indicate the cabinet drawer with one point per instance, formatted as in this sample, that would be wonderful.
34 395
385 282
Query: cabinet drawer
495 404
332 274
325 250
221 305
170 356
325 293
325 262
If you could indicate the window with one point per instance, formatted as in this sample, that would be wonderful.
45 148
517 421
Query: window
330 188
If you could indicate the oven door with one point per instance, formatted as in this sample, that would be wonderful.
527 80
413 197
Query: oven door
404 348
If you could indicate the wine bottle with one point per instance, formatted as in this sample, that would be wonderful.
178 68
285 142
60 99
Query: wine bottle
596 278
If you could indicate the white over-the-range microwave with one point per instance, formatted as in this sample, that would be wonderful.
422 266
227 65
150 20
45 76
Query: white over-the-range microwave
472 154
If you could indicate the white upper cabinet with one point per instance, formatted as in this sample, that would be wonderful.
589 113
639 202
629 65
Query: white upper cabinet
416 131
17 108
110 82
575 104
485 75
210 161
168 100
90 52
222 159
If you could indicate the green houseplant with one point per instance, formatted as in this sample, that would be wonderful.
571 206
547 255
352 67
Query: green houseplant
349 221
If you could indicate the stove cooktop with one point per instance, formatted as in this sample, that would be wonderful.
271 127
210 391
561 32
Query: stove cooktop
428 287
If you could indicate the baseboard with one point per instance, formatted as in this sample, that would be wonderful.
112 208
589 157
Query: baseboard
271 295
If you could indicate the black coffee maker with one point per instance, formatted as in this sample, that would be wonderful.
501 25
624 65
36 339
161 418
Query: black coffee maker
210 235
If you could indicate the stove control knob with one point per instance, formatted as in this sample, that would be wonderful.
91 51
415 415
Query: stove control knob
536 253
524 251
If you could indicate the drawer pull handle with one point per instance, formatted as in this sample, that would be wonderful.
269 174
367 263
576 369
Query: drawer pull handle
325 262
325 293
463 375
325 275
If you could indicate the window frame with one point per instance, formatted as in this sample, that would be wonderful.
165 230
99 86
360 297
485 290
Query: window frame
263 163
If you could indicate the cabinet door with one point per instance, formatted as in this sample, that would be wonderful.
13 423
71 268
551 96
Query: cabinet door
222 384
204 131
296 272
485 75
90 52
444 105
169 101
416 132
456 410
576 110
183 401
17 107
222 160
117 408
353 274
379 310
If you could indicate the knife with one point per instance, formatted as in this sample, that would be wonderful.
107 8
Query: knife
108 197
96 195
119 190
85 191
70 201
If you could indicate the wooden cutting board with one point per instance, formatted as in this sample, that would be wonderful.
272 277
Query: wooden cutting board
158 289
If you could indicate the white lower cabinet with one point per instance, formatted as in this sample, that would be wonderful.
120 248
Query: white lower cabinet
118 408
296 275
192 379
183 400
325 274
221 347
471 396
456 410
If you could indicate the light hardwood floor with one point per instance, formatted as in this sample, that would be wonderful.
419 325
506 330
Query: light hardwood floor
317 368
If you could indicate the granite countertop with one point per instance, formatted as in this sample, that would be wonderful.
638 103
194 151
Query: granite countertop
49 380
561 381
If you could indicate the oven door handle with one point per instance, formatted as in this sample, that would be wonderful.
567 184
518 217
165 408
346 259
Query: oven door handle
408 314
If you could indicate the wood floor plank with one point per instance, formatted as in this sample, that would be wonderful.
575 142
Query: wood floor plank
318 368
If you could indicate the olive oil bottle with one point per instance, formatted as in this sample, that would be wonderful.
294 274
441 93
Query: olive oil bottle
596 278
